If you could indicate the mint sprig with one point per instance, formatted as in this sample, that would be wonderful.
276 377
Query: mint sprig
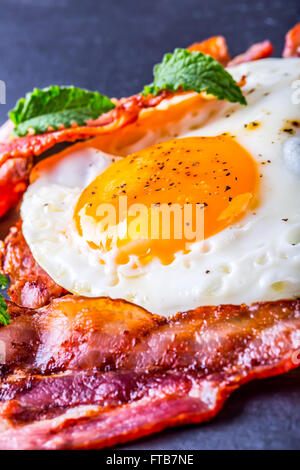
57 106
3 281
4 316
194 71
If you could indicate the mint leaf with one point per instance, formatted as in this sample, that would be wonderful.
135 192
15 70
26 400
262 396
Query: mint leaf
4 316
3 281
56 106
194 71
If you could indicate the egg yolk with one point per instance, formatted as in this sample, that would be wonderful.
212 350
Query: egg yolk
155 202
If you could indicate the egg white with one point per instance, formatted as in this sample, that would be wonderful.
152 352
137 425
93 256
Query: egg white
256 259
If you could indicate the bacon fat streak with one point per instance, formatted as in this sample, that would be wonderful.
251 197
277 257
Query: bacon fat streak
91 373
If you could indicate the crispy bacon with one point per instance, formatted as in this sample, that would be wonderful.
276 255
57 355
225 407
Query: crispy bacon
14 179
215 47
126 111
91 373
30 284
21 151
292 43
258 51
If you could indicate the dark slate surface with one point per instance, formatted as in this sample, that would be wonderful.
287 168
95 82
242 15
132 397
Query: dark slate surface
111 46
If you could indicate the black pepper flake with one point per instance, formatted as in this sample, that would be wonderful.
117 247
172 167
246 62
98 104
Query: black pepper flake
227 189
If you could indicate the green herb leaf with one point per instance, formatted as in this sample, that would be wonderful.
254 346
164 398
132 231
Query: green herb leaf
56 106
3 281
194 71
4 316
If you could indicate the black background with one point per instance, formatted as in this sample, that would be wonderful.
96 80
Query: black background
111 46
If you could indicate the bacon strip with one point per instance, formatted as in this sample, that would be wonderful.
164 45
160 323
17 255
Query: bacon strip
292 43
261 50
30 284
22 150
215 47
14 179
91 373
127 111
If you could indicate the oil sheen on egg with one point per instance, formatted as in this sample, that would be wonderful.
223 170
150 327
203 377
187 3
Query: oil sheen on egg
237 169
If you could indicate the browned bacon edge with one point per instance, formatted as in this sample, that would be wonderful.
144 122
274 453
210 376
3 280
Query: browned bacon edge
91 373
24 149
257 51
292 42
30 285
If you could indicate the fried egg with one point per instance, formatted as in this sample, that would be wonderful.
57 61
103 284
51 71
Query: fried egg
234 167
